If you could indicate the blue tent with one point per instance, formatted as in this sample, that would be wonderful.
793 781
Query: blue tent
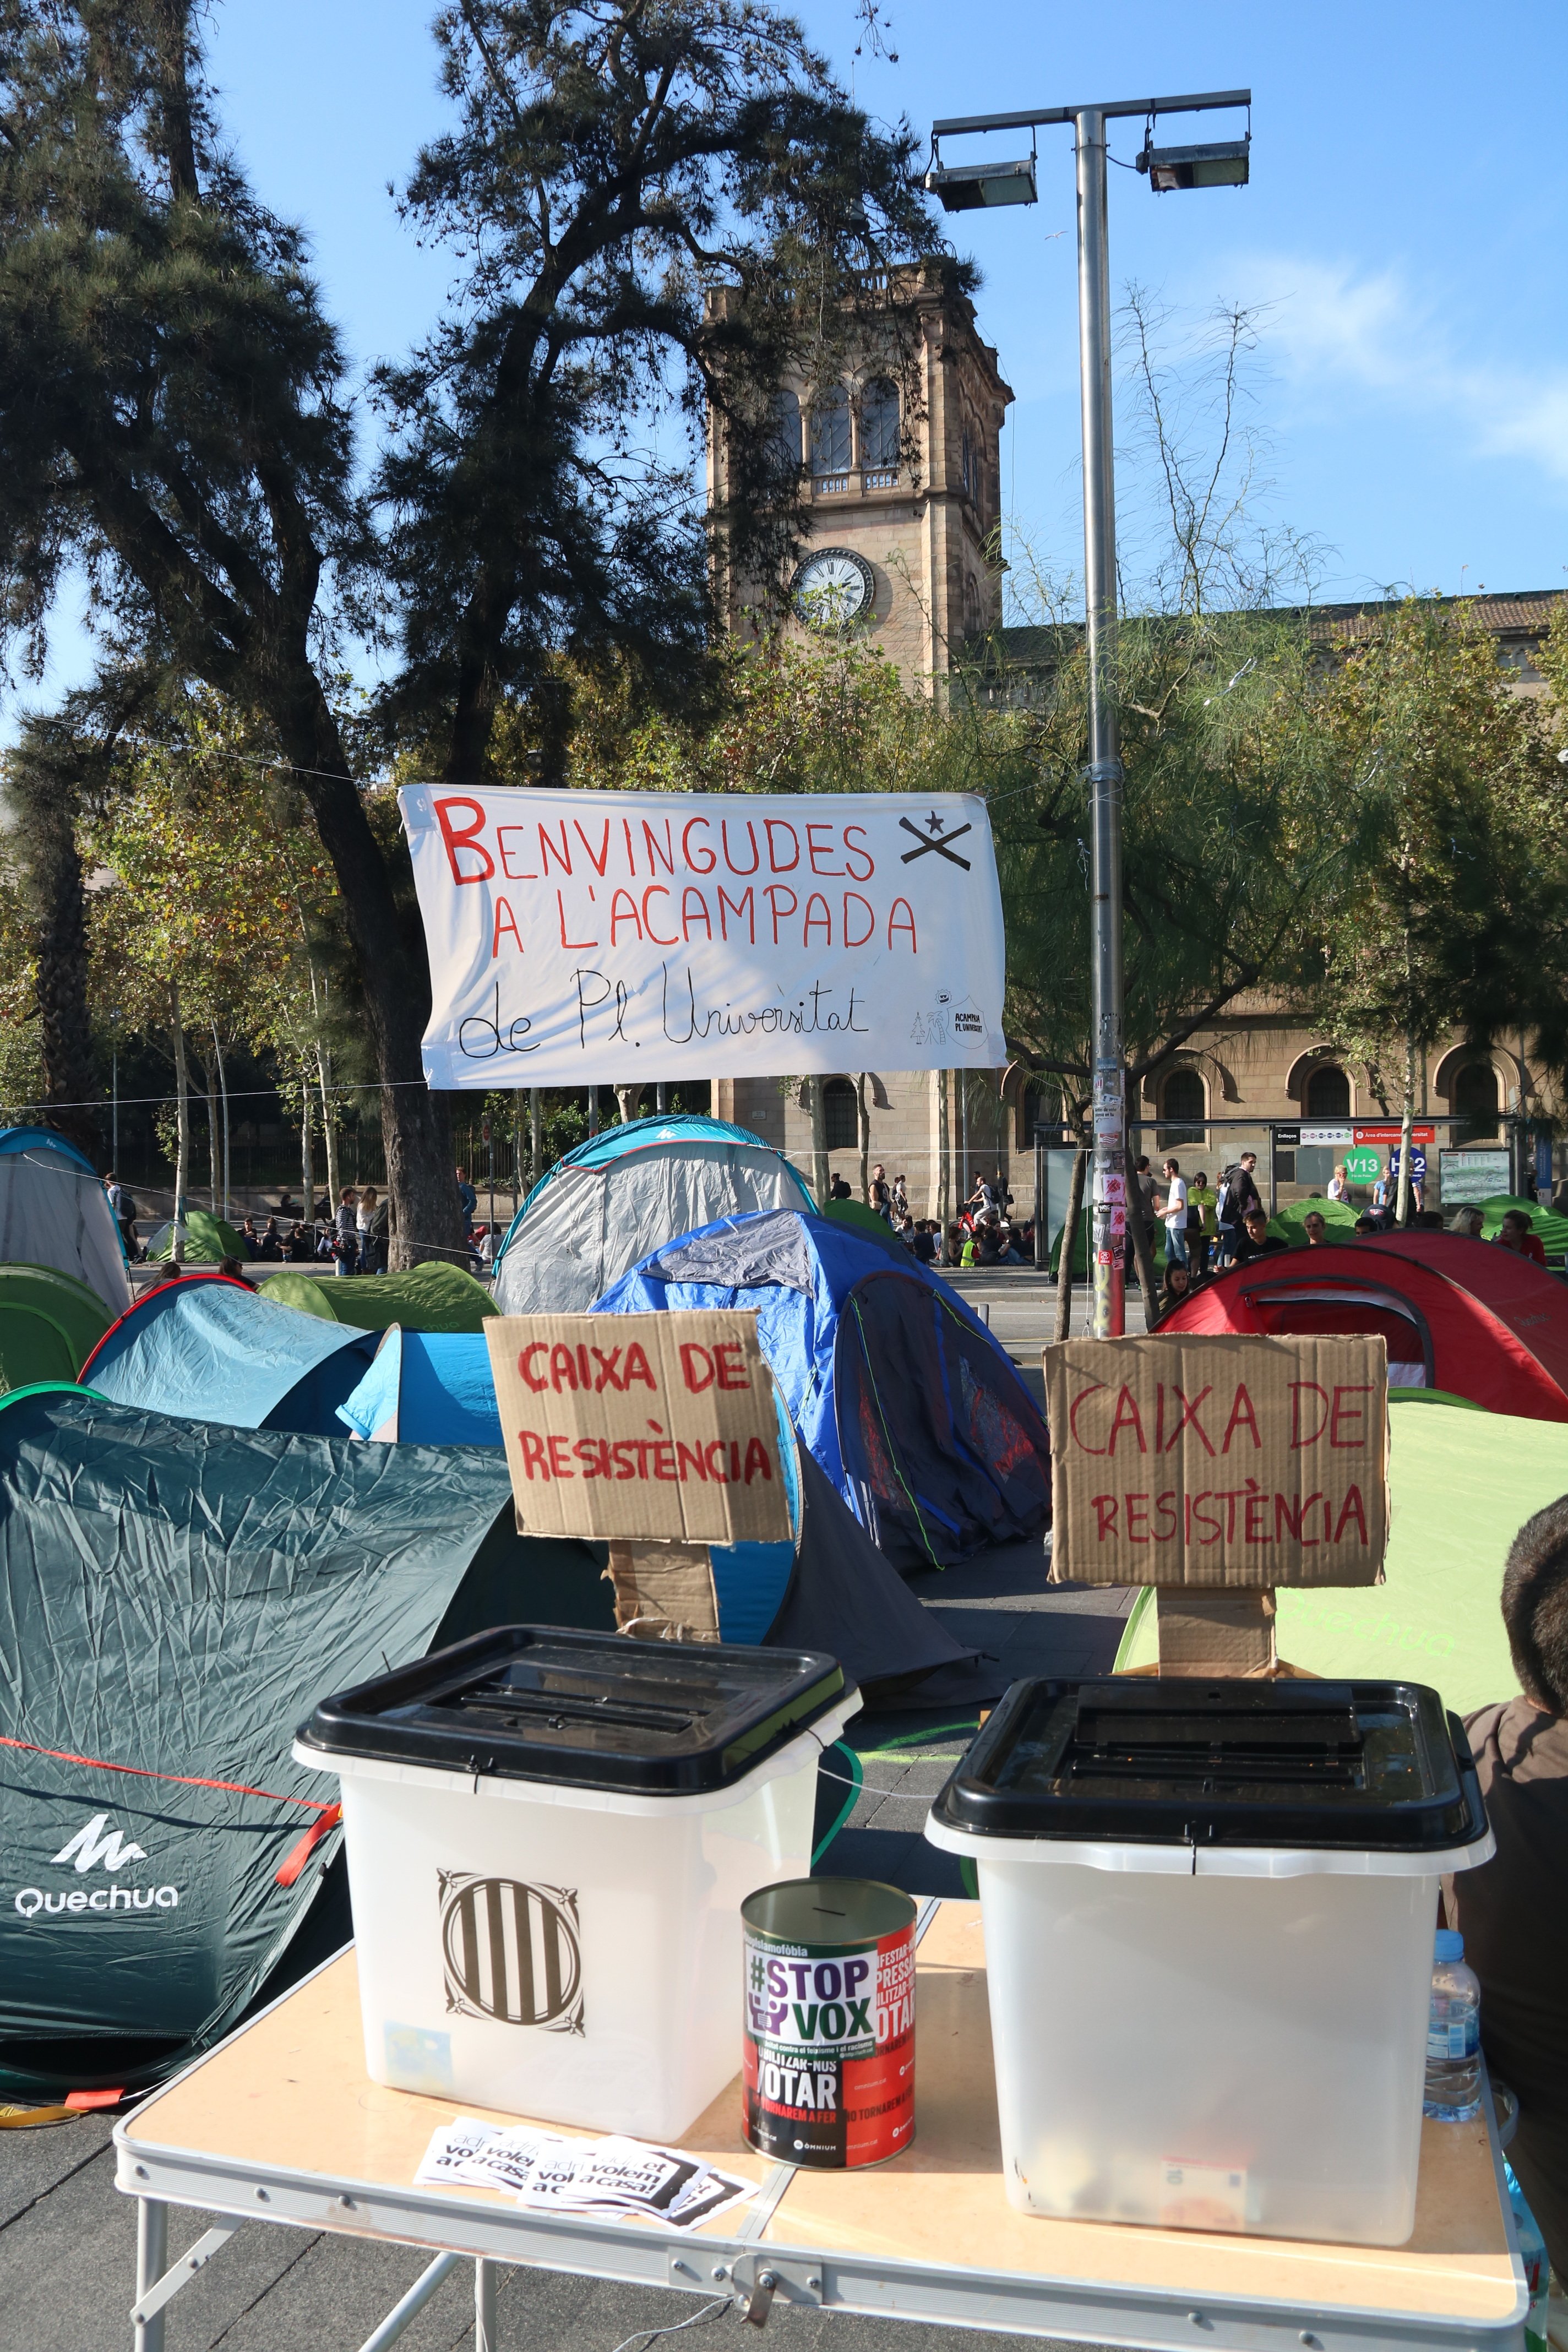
915 1414
210 1348
427 1388
603 1206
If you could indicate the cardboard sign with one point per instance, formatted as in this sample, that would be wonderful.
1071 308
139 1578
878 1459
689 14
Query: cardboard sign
652 1426
1225 1461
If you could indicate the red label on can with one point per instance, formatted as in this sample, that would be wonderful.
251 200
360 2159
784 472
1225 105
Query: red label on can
829 2049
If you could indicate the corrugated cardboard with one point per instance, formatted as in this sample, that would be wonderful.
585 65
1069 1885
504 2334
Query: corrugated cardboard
645 1426
1217 1629
1225 1461
664 1591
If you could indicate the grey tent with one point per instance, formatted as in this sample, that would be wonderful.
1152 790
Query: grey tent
54 1212
175 1598
623 1193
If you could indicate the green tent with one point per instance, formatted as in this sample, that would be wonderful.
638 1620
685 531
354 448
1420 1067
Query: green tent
429 1298
175 1598
1462 1484
208 1240
865 1221
50 1325
1550 1229
1291 1223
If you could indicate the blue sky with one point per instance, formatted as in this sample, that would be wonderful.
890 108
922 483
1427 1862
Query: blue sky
1405 229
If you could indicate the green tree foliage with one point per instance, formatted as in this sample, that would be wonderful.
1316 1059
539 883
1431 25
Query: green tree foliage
174 420
1455 912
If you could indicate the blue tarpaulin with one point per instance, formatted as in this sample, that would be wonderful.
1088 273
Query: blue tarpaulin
208 1348
916 1415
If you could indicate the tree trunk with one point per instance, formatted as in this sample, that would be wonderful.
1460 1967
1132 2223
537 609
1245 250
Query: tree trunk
70 1080
943 1155
1402 1213
328 1130
214 1152
535 1137
1070 1241
223 1090
628 1098
820 1176
307 1159
863 1136
182 1126
394 977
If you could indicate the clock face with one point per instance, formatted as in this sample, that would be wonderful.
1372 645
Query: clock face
833 590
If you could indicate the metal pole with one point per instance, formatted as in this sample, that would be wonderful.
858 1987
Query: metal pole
1104 765
486 2339
151 2261
114 1143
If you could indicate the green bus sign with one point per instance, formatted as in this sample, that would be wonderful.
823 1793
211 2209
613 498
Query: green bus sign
1363 1165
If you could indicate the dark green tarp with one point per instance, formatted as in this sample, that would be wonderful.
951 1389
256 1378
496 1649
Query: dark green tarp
175 1596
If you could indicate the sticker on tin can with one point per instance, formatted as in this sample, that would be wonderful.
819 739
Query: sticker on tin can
828 2054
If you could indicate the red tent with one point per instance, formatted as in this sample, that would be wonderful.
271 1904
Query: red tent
1460 1315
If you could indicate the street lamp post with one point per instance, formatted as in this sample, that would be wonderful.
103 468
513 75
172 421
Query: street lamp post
968 187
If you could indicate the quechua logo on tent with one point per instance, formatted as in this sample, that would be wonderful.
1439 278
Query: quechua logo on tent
96 1846
512 1951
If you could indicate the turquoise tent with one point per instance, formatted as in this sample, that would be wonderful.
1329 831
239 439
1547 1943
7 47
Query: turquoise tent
427 1388
175 1598
211 1349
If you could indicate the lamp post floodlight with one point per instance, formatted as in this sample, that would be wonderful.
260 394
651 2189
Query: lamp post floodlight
969 187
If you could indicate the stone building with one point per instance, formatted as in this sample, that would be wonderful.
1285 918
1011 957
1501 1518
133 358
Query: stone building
902 506
902 544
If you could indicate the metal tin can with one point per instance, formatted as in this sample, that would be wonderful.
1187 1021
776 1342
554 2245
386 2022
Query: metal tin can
829 2034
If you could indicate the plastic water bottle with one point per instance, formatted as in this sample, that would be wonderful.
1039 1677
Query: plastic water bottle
1453 2035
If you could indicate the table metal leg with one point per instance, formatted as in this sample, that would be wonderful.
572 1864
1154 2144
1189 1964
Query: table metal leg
485 2336
403 2314
151 2261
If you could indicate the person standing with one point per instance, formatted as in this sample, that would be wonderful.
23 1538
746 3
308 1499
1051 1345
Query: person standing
370 1224
1239 1193
901 1200
1173 1213
881 1199
468 1197
345 1245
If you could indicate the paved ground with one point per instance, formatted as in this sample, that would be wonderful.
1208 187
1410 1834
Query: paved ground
67 2237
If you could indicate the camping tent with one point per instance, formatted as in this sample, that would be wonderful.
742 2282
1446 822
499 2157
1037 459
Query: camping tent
208 1240
50 1325
607 1204
863 1221
1458 1315
175 1598
1550 1229
915 1414
432 1296
209 1349
54 1212
827 1588
1461 1483
427 1388
1290 1223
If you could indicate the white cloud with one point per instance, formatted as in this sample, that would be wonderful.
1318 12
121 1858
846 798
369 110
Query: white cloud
1332 327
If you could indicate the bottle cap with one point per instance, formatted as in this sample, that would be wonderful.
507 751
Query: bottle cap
1448 1945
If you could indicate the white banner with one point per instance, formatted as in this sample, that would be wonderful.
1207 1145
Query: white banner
610 937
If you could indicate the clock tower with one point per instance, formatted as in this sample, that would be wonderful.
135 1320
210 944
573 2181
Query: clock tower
902 504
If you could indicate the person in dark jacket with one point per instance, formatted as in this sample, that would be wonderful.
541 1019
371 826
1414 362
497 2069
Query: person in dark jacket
1257 1240
1513 1911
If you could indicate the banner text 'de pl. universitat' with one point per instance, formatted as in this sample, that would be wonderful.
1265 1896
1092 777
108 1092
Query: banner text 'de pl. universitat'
582 937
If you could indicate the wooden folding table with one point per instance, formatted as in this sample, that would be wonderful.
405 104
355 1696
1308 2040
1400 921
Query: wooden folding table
280 2124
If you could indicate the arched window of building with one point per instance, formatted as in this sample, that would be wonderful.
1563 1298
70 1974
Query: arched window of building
880 424
1328 1093
966 463
1476 1102
1182 1097
830 433
971 605
840 1115
786 431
